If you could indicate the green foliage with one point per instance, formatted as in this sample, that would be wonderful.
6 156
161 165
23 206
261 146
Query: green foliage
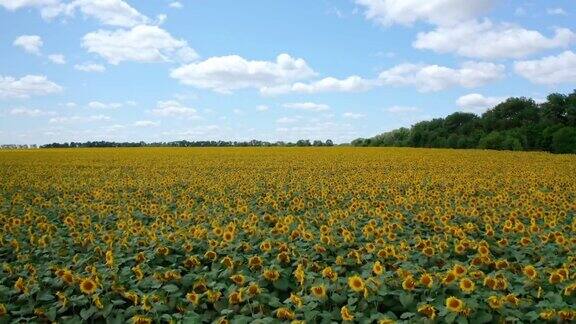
516 124
564 140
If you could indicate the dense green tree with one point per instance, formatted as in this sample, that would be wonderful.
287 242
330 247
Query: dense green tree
515 124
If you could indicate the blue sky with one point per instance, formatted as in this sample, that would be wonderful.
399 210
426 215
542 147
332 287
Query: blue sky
156 70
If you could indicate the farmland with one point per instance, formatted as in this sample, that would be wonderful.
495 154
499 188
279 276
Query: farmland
287 235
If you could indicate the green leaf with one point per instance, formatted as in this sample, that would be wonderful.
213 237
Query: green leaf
171 288
45 296
86 313
406 299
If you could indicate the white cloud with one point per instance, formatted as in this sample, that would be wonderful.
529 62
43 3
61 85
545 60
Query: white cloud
90 67
435 78
146 123
486 40
402 109
107 12
29 85
262 108
556 12
142 43
101 105
29 43
78 119
175 5
287 120
549 70
57 58
310 106
173 108
407 12
351 84
27 112
70 104
227 73
48 8
351 115
477 103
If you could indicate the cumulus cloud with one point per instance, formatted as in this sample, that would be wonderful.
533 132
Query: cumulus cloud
351 115
287 120
173 108
428 78
407 12
486 40
262 108
310 106
233 72
57 58
146 123
29 43
107 12
78 119
176 5
27 86
330 84
90 67
402 109
549 70
28 112
477 103
556 12
102 105
142 43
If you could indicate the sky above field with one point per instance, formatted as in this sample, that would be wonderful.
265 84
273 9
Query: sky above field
161 70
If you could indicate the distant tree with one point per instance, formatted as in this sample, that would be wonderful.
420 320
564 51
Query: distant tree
318 143
329 142
564 140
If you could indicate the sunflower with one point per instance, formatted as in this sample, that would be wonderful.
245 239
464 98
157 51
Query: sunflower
495 302
512 299
428 311
87 286
238 279
319 291
467 286
377 268
296 300
459 270
271 274
454 304
20 285
530 272
139 319
3 310
356 283
193 298
284 313
346 314
109 259
408 283
254 289
255 262
449 278
235 297
426 280
213 296
329 273
228 236
555 278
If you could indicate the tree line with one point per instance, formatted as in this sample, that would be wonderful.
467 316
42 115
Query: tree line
518 124
184 143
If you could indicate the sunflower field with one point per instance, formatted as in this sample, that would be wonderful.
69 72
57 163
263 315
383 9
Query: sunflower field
301 235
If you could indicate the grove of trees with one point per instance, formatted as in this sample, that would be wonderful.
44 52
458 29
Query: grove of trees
518 124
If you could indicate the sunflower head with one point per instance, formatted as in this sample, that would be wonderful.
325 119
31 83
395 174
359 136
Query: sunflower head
454 304
356 283
87 286
346 314
318 291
